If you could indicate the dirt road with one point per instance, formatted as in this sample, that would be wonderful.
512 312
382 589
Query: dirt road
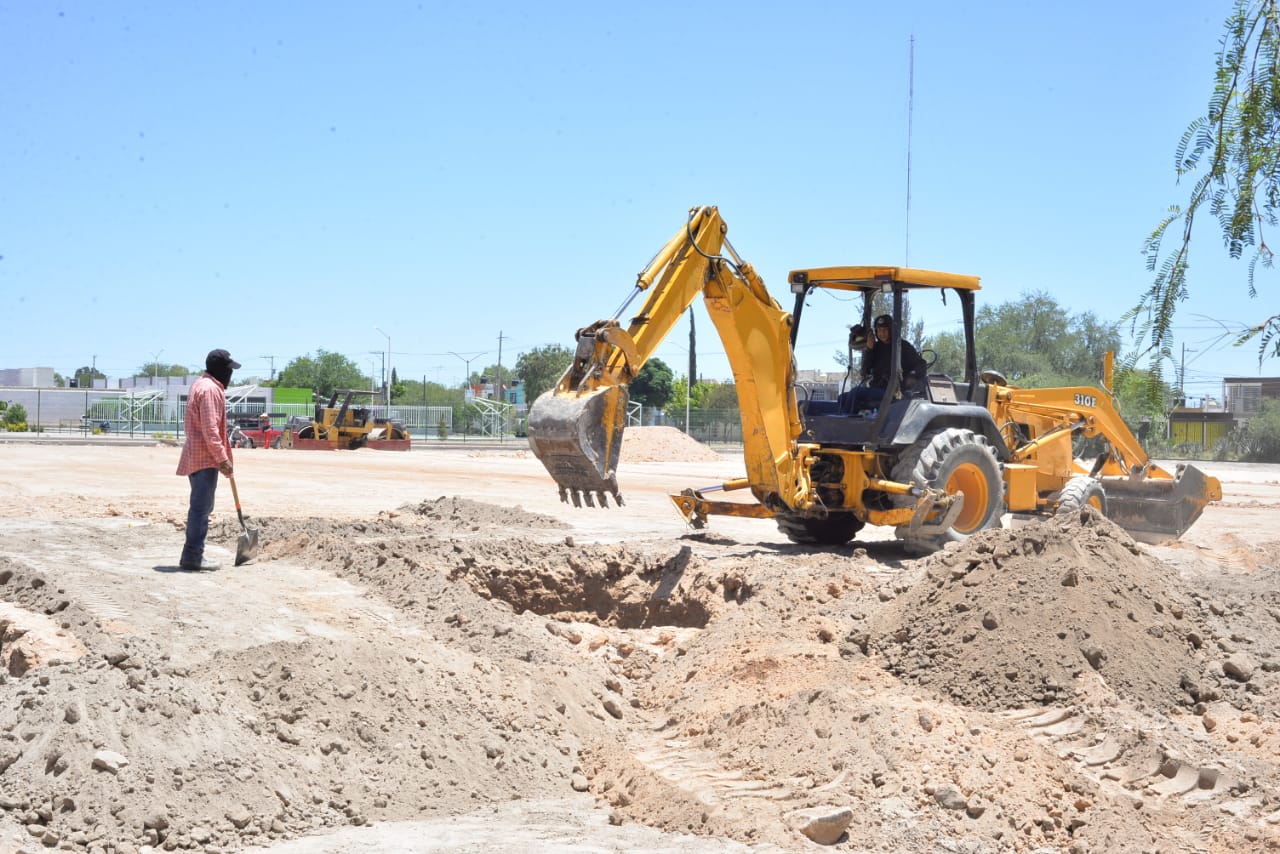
432 653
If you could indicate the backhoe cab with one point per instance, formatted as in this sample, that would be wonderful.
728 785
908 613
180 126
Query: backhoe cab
938 460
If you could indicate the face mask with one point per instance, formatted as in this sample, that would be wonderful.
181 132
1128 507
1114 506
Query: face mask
221 373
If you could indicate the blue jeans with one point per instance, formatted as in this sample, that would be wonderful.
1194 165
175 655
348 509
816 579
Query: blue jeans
204 484
860 398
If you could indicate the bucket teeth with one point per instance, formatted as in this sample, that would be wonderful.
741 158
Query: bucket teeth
578 438
599 498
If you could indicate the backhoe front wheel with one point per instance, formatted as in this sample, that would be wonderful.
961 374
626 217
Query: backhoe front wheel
834 529
956 461
1079 492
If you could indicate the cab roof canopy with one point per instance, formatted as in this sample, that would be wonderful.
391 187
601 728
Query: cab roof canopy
875 278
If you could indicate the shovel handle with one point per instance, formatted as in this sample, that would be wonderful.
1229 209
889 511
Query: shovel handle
235 493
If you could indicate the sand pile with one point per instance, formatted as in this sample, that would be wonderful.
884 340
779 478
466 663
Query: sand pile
455 512
663 444
1018 617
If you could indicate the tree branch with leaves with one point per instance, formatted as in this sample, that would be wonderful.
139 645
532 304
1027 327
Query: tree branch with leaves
1235 150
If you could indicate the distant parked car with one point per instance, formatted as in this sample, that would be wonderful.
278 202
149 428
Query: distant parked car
256 432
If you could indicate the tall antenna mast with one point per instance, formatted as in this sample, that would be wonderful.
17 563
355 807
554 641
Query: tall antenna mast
911 97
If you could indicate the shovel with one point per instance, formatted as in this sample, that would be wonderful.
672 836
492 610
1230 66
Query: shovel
247 545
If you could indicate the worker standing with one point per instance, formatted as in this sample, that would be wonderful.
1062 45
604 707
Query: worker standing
206 452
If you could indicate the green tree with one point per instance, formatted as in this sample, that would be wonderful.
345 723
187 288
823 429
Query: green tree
324 373
1259 438
718 396
489 376
399 391
653 385
1033 341
85 375
160 369
1234 150
680 390
702 397
540 368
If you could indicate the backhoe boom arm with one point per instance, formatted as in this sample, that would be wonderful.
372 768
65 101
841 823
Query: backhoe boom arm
576 428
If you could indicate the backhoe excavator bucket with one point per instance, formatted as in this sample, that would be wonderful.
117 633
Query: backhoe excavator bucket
1156 510
578 437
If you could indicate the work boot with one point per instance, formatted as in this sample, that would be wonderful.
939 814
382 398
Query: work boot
204 565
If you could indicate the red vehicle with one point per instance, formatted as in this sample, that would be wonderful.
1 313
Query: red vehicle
256 431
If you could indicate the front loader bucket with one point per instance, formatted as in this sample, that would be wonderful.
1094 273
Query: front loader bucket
578 437
1156 510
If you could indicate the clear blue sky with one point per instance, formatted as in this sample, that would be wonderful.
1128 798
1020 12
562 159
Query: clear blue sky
278 178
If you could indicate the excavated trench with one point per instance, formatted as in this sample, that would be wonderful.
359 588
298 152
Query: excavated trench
413 557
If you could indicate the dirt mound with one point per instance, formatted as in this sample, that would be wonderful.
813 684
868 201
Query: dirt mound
1017 617
663 444
458 512
484 693
463 663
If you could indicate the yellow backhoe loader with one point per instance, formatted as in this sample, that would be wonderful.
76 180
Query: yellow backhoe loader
346 427
938 460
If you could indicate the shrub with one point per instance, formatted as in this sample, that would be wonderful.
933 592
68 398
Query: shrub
14 418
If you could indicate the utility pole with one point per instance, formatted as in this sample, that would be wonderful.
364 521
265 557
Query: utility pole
693 367
386 366
498 389
502 398
1182 377
273 366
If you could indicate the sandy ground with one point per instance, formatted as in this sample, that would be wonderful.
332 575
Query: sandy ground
431 653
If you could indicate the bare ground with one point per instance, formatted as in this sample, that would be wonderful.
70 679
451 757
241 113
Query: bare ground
431 653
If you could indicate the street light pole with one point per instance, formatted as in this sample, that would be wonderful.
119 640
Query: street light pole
155 366
466 381
384 363
386 379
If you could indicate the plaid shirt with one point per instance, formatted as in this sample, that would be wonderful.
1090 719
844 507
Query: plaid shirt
207 445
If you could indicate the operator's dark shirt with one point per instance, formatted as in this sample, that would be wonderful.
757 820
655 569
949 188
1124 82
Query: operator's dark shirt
878 360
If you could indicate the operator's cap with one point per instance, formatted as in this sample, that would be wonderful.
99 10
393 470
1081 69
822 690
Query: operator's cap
220 358
884 320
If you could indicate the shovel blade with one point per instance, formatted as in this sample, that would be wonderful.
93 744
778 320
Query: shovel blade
247 545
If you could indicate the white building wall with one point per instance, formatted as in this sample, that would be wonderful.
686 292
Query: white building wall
27 377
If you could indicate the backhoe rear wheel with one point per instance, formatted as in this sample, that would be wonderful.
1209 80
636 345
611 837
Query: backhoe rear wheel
834 529
1079 492
957 461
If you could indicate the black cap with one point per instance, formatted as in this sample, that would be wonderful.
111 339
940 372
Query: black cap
884 320
220 358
